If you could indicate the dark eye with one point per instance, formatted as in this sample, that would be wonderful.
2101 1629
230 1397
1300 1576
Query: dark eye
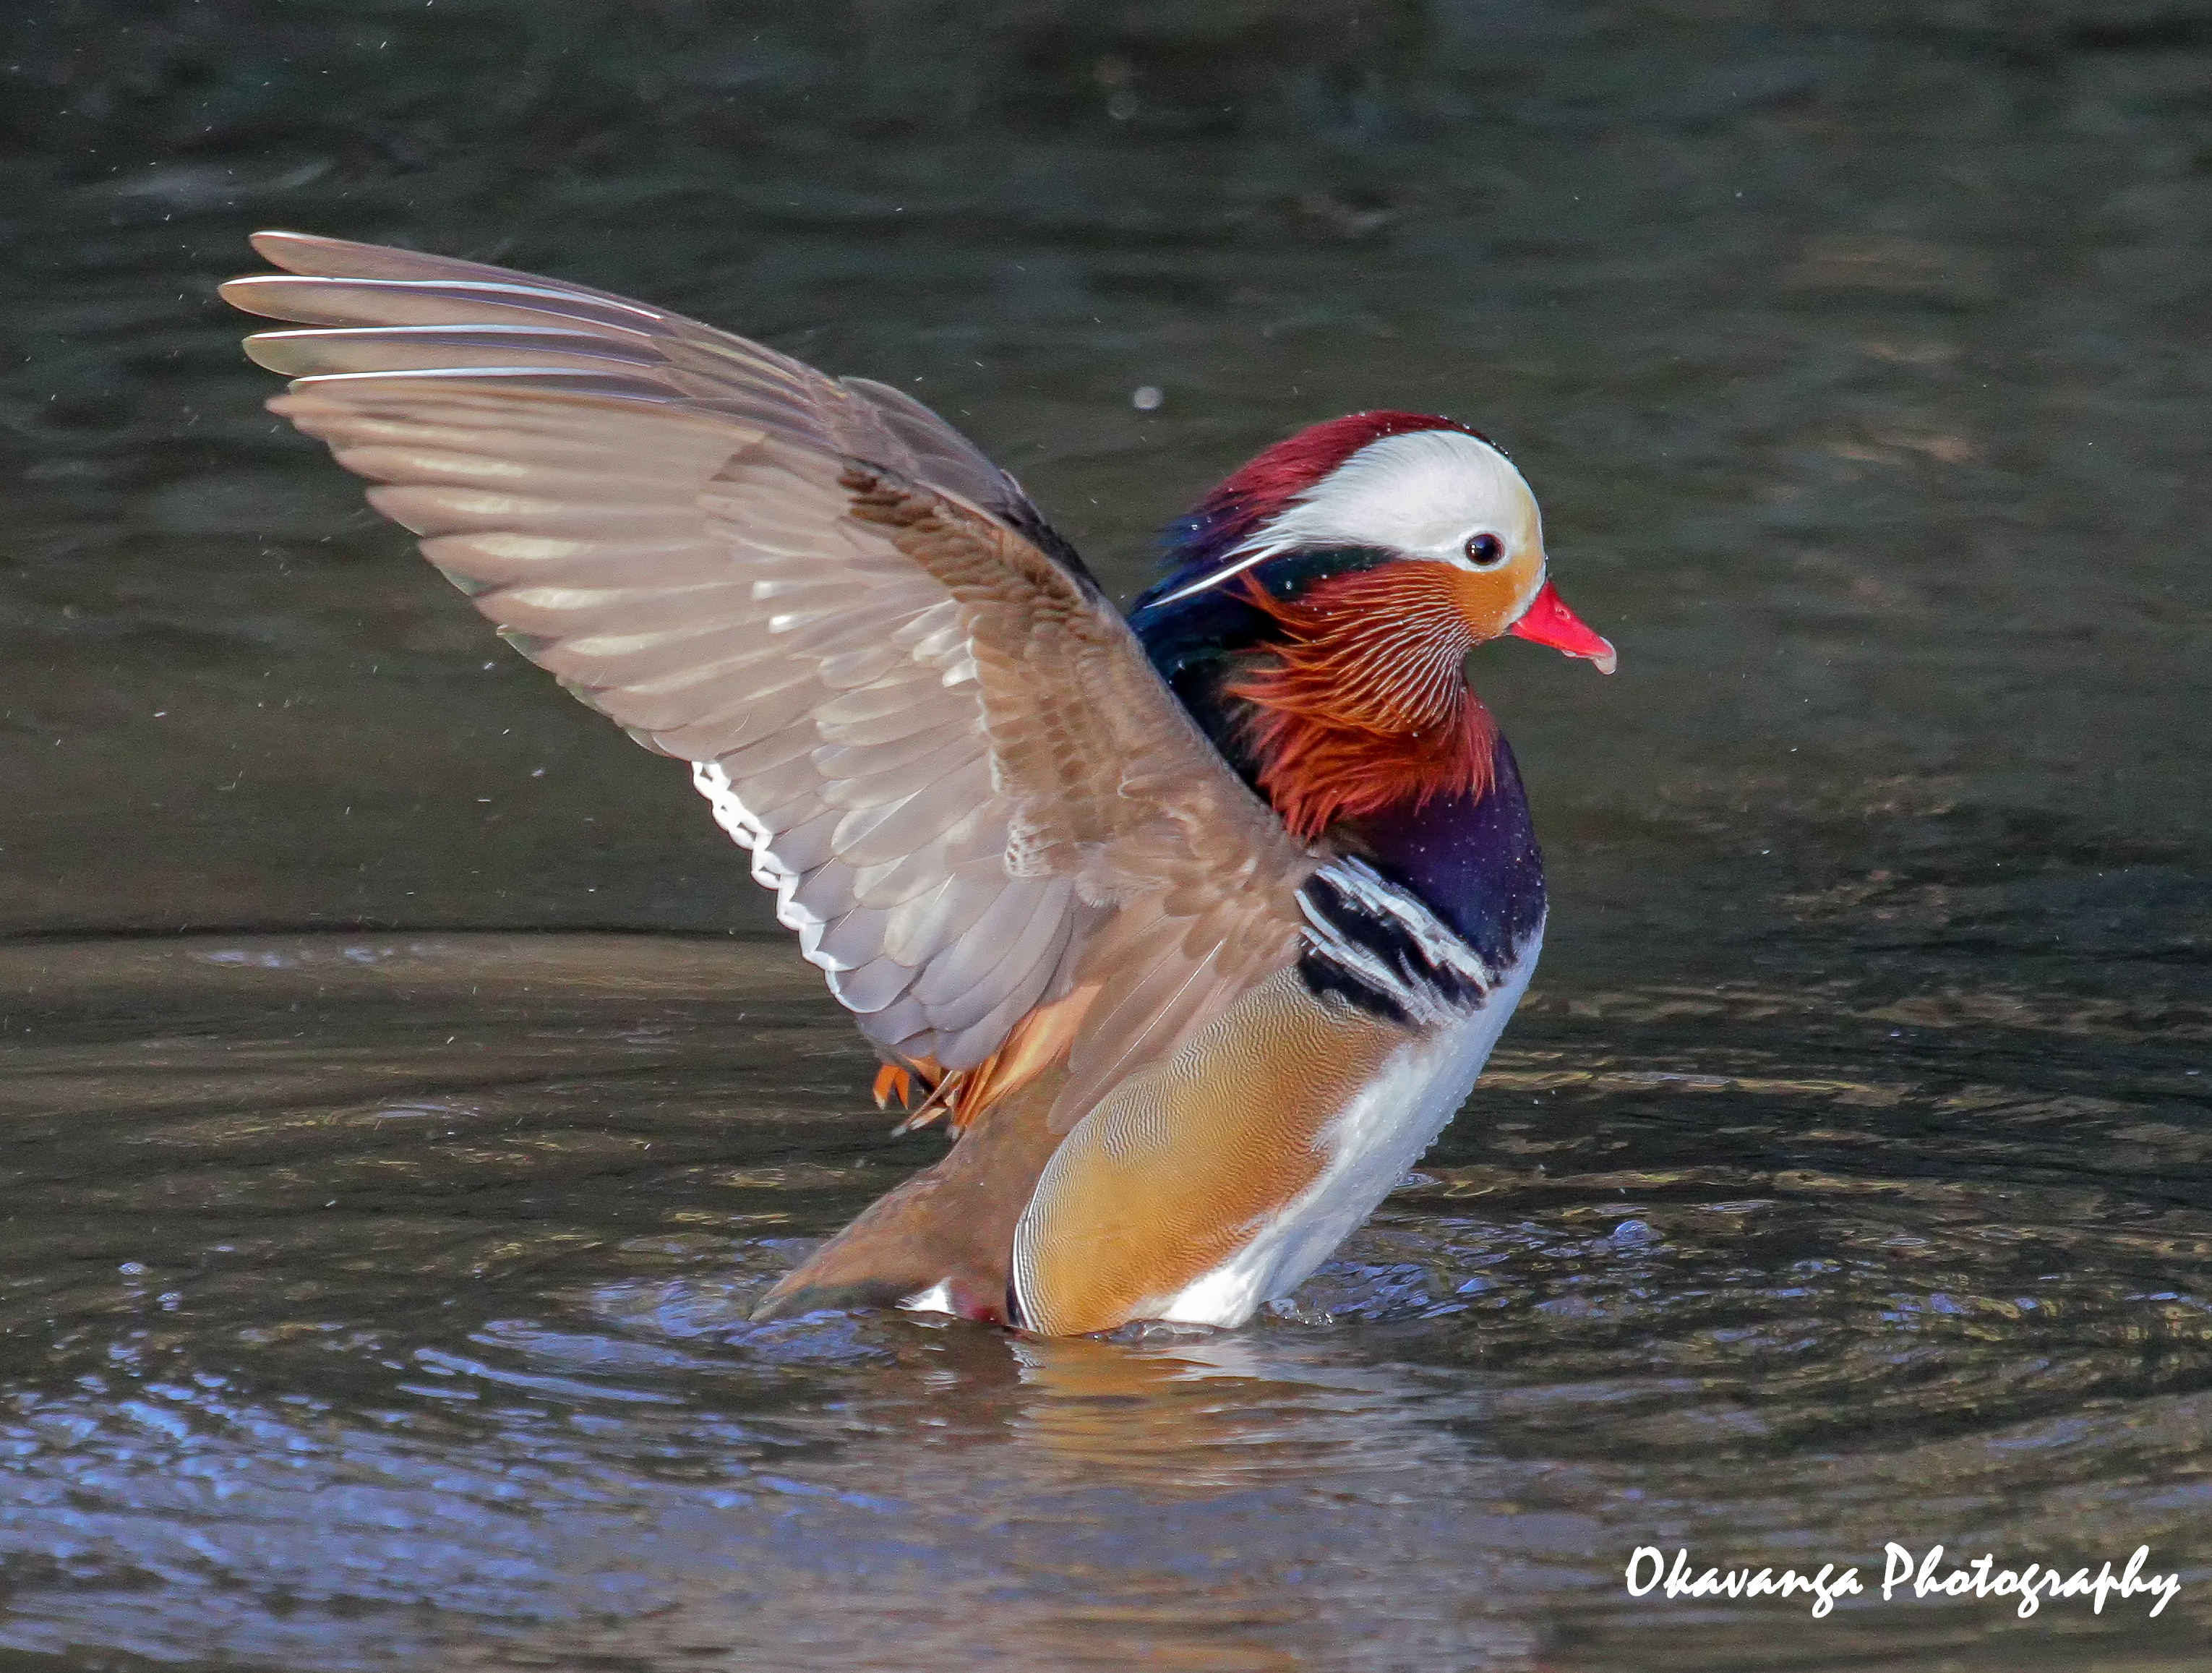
1486 551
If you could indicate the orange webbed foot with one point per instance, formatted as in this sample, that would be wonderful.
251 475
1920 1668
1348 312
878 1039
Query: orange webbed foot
938 1091
894 1081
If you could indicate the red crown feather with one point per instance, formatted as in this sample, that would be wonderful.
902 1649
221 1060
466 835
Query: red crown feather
1263 488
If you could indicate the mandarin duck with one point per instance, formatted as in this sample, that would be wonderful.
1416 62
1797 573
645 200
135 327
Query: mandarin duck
1193 928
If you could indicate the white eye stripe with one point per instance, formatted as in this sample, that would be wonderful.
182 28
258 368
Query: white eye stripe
1426 494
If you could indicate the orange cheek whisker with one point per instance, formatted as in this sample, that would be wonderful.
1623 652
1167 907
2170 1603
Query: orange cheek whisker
1362 705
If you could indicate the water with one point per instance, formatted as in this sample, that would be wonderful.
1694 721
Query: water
406 1095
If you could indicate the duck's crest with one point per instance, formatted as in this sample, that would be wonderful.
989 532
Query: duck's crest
1199 543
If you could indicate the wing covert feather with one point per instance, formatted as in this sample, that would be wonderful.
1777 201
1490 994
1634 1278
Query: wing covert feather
948 755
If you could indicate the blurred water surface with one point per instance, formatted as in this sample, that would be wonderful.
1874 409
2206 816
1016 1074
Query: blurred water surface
406 1095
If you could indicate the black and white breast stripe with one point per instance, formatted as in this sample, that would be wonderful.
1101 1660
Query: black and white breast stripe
1379 947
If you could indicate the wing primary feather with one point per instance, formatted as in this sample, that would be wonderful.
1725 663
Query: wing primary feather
898 688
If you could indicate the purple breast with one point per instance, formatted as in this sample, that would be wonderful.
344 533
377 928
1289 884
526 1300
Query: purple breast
1473 860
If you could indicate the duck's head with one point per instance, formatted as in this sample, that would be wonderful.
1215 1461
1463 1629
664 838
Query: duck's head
1322 601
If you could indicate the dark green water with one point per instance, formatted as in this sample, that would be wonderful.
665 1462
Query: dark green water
405 1095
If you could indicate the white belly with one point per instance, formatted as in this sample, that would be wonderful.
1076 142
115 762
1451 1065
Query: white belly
1370 1146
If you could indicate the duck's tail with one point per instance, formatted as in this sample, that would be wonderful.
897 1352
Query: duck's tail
946 1236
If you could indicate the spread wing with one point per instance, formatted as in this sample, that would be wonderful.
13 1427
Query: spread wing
947 753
